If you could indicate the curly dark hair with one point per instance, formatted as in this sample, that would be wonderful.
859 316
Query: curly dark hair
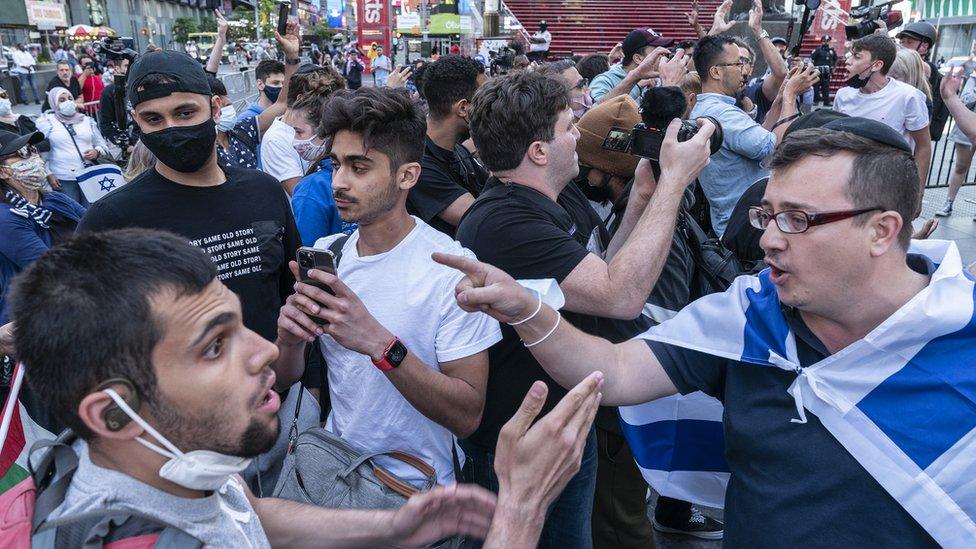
322 81
447 81
592 65
387 119
510 112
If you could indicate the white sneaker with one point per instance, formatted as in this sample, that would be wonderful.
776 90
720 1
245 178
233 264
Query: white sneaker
946 210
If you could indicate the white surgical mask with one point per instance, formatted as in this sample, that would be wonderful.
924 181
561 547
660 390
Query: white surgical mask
5 107
307 149
68 108
196 470
228 118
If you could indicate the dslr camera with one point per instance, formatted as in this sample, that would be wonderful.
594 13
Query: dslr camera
659 107
115 49
646 142
870 14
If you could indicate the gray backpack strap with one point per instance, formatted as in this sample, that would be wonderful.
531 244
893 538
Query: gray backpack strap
52 476
94 529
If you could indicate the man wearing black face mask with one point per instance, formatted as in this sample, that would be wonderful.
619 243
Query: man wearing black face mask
241 217
254 234
872 94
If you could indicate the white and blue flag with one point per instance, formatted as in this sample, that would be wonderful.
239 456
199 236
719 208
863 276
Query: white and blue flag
902 400
97 181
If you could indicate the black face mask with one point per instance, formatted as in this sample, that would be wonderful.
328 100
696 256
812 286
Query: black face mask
271 92
184 148
857 81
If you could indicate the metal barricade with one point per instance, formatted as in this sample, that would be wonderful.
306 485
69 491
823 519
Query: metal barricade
943 162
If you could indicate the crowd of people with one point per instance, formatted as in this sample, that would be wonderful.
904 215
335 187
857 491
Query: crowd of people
421 312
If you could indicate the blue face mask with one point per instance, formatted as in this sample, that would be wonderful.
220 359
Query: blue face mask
271 92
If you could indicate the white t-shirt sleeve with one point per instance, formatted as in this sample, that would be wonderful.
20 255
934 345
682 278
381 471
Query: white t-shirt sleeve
841 100
916 113
279 158
462 334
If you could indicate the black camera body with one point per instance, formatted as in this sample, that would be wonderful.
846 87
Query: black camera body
115 49
646 142
869 15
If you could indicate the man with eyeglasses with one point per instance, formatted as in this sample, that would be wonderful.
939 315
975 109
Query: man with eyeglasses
836 216
579 87
724 68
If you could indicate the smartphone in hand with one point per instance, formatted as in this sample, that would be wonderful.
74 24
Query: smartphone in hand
314 258
284 10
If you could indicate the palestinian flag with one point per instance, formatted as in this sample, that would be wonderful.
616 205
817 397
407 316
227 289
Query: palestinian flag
19 433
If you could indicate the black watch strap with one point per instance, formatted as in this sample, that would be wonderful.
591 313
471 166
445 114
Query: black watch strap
294 61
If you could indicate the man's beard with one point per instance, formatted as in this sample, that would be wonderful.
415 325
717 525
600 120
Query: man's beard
209 431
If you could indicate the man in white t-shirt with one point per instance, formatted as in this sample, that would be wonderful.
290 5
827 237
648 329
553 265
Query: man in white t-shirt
408 368
539 46
381 67
871 93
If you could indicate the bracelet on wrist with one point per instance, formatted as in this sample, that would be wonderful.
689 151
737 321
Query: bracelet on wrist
531 316
559 317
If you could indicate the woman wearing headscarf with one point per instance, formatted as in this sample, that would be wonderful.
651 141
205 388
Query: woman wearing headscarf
75 141
31 219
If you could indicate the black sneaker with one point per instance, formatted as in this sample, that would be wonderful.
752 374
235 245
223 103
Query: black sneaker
697 525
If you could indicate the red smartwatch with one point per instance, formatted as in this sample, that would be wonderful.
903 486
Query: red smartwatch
394 354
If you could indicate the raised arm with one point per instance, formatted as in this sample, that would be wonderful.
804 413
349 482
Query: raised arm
289 45
619 288
632 374
213 62
774 60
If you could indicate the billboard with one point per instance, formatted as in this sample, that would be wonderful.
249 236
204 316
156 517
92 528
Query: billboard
374 17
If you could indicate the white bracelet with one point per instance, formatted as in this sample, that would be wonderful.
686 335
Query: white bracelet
545 337
531 316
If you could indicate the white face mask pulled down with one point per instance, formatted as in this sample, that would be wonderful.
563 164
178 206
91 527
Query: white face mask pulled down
196 470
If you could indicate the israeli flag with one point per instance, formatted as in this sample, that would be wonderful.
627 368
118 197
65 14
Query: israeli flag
97 181
902 400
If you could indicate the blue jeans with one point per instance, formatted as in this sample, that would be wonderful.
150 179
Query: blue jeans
568 519
27 80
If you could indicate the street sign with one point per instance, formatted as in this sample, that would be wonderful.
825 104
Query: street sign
46 15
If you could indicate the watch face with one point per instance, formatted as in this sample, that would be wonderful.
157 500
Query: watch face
397 353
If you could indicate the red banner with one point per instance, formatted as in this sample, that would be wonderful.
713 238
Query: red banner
830 20
374 18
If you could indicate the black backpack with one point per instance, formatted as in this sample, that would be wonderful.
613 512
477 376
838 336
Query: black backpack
715 265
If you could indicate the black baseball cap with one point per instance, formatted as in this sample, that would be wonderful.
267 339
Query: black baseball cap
11 142
639 39
187 75
878 132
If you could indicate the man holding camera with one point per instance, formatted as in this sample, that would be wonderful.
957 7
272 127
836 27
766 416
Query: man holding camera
722 66
533 223
642 49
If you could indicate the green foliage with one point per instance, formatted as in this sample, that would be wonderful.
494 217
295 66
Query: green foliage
208 24
323 31
182 27
244 32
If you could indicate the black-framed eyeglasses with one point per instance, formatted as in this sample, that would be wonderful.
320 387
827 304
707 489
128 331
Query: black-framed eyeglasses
584 82
798 221
3 94
740 64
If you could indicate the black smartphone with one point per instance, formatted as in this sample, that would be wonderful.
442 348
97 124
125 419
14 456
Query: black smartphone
284 10
315 258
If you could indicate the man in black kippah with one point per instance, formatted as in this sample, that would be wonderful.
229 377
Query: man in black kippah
239 216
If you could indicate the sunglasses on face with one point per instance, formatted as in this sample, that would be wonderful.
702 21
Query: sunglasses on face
584 82
3 95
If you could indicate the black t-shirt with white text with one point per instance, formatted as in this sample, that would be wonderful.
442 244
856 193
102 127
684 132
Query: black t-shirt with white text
245 224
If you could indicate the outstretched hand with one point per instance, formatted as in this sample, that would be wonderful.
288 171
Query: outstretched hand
443 512
399 76
488 289
221 23
721 23
534 460
951 83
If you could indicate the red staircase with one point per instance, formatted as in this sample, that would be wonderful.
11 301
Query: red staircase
594 26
